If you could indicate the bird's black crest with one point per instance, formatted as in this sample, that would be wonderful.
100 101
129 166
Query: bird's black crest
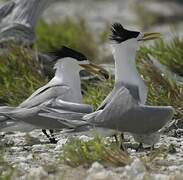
64 52
120 34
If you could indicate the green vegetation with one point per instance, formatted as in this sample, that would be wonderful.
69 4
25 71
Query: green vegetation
96 93
20 75
76 35
169 54
6 171
77 152
162 89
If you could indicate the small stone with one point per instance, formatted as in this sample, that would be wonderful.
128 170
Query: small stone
60 144
85 138
160 177
96 167
103 175
172 168
172 149
137 166
178 176
37 173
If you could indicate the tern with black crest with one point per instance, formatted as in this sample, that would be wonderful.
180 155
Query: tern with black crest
123 109
63 91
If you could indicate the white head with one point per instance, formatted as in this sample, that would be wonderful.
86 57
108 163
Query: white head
70 64
67 58
74 61
126 41
124 46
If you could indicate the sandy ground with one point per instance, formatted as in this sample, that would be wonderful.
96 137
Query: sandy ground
34 158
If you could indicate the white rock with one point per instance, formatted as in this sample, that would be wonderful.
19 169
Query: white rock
178 176
37 173
104 175
160 177
85 138
98 172
95 167
60 144
135 171
137 166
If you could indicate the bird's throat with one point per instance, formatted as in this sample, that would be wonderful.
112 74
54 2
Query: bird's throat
71 78
125 67
126 71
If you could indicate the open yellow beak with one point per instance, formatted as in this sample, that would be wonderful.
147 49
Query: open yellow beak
150 36
96 69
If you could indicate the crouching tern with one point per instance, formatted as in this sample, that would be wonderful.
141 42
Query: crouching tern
123 109
64 91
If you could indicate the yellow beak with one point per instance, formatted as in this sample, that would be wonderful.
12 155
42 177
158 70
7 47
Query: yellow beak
150 36
96 69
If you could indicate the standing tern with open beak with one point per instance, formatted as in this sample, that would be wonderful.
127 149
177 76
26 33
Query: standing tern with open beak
64 89
123 109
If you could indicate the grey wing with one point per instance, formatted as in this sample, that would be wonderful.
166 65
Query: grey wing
37 92
67 122
62 114
133 90
10 126
21 113
123 113
147 119
33 117
70 106
6 9
120 103
89 117
45 93
107 99
6 108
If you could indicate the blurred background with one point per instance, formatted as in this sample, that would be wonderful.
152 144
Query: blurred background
96 16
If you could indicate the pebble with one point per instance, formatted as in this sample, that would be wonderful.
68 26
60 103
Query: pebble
37 173
98 172
38 156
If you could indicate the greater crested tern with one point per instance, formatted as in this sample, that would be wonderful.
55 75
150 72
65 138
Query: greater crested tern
64 89
123 109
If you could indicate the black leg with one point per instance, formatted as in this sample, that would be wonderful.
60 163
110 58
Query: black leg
122 137
52 136
116 138
152 147
51 139
45 133
122 140
51 132
140 147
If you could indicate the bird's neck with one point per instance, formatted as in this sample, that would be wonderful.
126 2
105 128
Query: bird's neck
125 68
70 76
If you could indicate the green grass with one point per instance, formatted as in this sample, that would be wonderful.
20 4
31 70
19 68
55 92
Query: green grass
76 35
20 75
96 93
77 152
6 171
169 54
163 90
